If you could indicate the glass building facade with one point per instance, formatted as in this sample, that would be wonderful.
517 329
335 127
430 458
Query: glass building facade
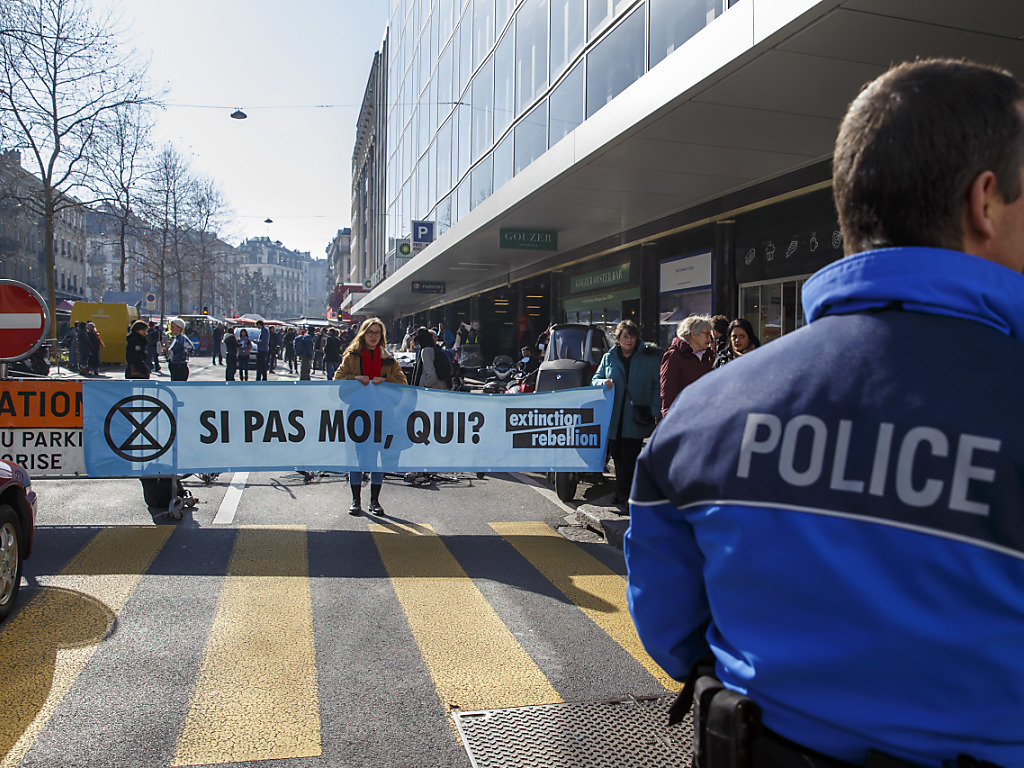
477 90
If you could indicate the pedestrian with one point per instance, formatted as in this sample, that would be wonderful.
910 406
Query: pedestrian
843 521
687 359
231 351
630 370
216 339
84 348
304 353
289 349
318 350
153 344
446 335
136 366
742 339
95 345
425 372
71 342
332 352
244 352
261 340
178 351
275 344
367 360
720 331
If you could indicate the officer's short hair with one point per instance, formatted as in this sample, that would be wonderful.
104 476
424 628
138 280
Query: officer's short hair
911 144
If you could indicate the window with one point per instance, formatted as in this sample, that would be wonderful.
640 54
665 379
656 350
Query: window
483 114
444 158
531 52
483 29
566 105
531 136
463 146
504 93
616 62
601 12
481 184
673 22
504 162
566 33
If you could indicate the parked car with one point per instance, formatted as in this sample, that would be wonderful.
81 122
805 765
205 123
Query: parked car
17 524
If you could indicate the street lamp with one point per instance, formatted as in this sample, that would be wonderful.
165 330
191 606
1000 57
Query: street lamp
238 114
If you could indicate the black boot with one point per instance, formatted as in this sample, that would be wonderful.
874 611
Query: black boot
375 506
357 504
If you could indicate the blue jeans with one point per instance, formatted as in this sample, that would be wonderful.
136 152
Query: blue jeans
356 478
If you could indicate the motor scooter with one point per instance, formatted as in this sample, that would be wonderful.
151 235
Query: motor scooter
500 373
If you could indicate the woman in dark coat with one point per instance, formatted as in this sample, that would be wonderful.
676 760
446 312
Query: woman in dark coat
741 340
687 359
135 352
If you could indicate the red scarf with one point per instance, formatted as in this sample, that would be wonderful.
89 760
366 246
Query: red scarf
372 362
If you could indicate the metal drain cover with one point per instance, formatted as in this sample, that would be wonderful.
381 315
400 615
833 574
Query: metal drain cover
617 734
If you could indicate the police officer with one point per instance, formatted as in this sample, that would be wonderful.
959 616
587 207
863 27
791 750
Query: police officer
843 528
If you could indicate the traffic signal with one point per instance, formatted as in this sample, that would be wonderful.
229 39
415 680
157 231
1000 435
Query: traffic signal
206 310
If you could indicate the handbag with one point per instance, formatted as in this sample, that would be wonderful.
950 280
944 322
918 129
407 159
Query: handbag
642 414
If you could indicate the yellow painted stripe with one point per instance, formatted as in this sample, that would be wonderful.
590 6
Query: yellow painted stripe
256 696
473 658
593 587
47 644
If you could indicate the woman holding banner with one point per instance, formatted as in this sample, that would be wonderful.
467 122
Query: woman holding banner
631 370
367 360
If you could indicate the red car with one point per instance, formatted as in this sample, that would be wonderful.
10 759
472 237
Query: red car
17 523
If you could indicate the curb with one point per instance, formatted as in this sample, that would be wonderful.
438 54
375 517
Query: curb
609 521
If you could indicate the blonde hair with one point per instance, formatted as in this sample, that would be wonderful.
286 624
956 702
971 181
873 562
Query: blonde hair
357 345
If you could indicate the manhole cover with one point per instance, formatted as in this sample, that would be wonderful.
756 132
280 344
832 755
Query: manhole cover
618 734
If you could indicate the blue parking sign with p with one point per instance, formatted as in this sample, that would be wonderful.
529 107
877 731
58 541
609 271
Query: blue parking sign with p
423 231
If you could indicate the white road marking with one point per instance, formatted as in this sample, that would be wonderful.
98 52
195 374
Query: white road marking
544 491
226 512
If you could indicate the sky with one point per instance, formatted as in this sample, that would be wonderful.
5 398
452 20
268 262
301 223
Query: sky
291 160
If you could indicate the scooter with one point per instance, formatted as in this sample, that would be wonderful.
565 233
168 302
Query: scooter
522 383
500 373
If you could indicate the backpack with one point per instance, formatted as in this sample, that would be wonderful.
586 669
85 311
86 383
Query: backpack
443 366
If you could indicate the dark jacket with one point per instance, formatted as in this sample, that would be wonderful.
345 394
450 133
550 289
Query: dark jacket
136 357
680 367
231 345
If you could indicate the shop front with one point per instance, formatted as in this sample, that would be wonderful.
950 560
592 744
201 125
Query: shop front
603 296
777 249
684 288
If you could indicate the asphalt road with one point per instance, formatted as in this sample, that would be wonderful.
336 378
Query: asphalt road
269 624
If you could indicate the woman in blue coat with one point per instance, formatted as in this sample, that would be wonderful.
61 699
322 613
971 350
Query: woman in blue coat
632 371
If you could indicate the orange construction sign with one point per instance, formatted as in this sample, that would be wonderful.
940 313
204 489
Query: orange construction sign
35 404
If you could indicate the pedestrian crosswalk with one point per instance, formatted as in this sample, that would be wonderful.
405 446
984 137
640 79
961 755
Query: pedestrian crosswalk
255 689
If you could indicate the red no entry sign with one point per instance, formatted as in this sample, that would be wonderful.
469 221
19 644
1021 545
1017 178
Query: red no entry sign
23 319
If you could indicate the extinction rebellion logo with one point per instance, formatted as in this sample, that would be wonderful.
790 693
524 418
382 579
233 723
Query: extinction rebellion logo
553 428
143 419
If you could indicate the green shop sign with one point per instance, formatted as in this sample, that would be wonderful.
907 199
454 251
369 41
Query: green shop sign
600 300
605 278
529 239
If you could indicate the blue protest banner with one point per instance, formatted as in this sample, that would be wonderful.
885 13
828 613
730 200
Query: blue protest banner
143 427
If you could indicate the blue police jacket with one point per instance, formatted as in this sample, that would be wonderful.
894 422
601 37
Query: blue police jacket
179 348
840 515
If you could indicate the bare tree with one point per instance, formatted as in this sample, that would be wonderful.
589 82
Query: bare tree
208 212
63 74
120 170
164 204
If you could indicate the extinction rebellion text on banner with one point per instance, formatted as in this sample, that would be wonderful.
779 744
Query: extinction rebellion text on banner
137 428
